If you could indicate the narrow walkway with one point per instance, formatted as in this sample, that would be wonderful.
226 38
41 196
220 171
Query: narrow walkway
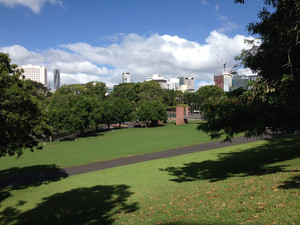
38 178
74 170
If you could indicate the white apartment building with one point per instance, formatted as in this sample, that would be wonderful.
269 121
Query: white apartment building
174 83
126 77
36 73
159 79
227 79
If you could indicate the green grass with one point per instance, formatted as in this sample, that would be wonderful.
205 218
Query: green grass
254 183
109 145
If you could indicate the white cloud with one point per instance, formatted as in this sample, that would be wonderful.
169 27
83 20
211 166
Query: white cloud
22 56
217 7
34 5
142 56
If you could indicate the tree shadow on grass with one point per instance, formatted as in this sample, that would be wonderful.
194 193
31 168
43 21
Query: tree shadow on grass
20 178
253 161
94 205
293 183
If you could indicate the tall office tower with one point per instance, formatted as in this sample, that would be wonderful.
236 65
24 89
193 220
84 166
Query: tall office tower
56 75
190 83
174 84
181 80
227 78
35 73
126 77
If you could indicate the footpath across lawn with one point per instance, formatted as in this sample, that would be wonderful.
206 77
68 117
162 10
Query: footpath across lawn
108 145
256 183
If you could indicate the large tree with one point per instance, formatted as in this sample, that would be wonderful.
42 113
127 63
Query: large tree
152 112
273 102
125 91
22 117
124 110
150 91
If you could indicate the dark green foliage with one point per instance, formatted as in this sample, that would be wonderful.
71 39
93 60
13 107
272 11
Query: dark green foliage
22 117
152 111
125 90
80 117
150 91
210 91
172 97
109 116
273 100
123 110
95 88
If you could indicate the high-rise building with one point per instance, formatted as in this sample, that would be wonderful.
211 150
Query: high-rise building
181 80
174 84
190 83
227 78
126 77
56 76
35 73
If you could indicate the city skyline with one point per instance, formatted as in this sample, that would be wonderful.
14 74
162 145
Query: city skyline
100 40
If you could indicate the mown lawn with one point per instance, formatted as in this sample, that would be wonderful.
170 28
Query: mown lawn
256 183
109 145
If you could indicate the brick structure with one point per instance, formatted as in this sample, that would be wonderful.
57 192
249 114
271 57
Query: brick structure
182 113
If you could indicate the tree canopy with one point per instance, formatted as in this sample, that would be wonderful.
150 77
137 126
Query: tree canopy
273 102
22 117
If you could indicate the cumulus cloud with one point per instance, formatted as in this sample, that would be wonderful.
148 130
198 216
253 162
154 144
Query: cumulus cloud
142 56
34 5
22 56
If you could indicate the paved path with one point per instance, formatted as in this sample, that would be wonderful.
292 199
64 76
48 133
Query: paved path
52 175
74 170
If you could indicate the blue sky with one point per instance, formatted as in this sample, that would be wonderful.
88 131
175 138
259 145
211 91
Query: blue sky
100 39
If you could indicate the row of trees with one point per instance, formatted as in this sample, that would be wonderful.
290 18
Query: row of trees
79 106
28 111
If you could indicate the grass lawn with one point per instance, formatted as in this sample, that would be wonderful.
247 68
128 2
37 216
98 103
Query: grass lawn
254 183
109 145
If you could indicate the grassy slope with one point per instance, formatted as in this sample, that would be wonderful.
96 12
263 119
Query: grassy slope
109 145
252 183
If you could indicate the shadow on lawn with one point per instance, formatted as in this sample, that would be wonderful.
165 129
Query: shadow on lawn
20 178
254 161
94 205
293 183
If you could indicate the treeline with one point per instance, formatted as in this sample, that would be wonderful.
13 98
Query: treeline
29 111
79 106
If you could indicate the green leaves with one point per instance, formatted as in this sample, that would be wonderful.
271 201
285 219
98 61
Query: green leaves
22 116
152 111
272 103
